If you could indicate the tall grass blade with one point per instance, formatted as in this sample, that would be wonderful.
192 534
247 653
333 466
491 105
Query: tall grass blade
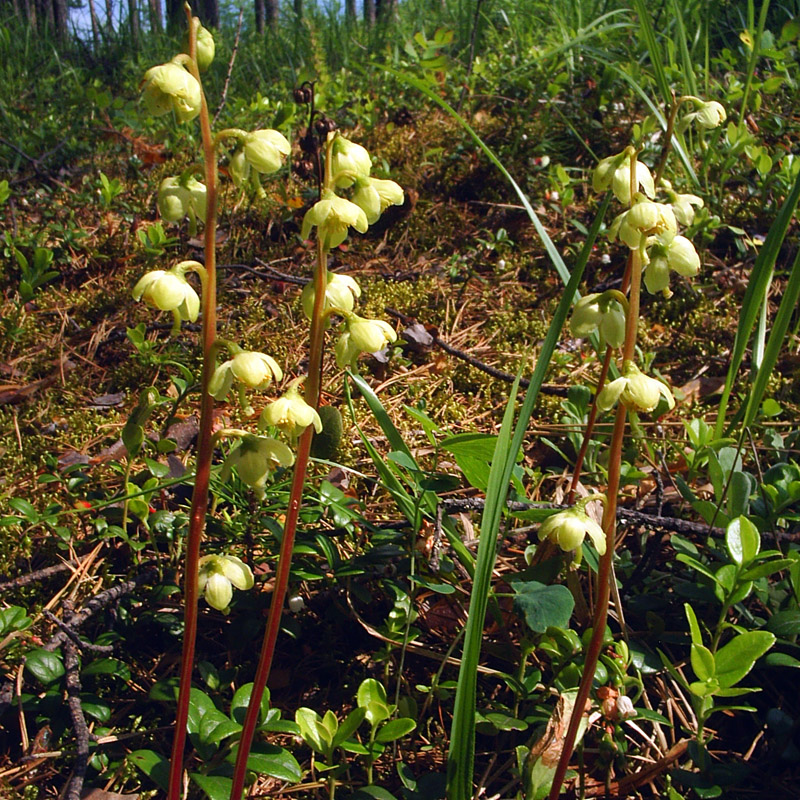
654 51
777 338
461 757
755 296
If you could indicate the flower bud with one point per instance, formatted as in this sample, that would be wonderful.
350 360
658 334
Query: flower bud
333 215
205 48
255 459
348 161
264 149
291 413
169 87
710 115
374 196
341 292
656 274
216 577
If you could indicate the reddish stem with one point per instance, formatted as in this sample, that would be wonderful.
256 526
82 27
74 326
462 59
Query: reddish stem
197 514
312 394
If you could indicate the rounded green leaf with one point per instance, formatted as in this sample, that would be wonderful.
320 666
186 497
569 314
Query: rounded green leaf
737 658
44 665
742 540
395 729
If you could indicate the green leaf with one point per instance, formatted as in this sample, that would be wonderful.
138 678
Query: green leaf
241 700
694 626
153 765
269 759
543 606
395 729
108 666
25 508
780 660
44 665
199 705
372 696
215 787
742 540
349 725
309 722
372 793
738 656
785 623
13 618
702 662
766 568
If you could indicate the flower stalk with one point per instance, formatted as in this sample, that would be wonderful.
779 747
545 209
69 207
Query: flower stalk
199 506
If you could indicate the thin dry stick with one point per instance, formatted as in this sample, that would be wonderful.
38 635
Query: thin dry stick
224 95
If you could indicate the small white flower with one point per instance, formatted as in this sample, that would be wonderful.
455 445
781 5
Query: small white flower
374 196
362 336
216 577
348 161
169 87
252 369
255 459
341 292
169 291
265 149
635 390
333 215
570 527
291 413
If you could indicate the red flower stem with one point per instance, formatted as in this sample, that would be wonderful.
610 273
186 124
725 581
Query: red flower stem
197 514
610 528
312 394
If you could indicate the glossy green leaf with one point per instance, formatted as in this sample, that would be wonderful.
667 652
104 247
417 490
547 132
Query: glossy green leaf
702 662
44 665
738 656
395 729
742 540
153 765
215 787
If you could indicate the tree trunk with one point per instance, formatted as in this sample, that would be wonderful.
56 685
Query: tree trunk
133 19
261 15
95 23
156 20
350 10
210 13
298 9
369 12
272 14
176 18
109 16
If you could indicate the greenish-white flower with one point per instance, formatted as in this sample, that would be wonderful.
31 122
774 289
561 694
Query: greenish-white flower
362 336
341 292
678 255
169 291
635 390
570 527
290 413
216 577
170 87
250 368
333 215
683 205
255 459
265 150
709 114
643 220
178 198
621 182
374 196
348 161
601 313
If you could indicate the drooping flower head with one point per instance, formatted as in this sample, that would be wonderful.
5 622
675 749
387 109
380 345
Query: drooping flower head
179 197
362 336
251 369
602 313
373 196
265 149
255 459
170 87
168 290
290 413
635 390
570 527
333 215
349 161
341 292
216 577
